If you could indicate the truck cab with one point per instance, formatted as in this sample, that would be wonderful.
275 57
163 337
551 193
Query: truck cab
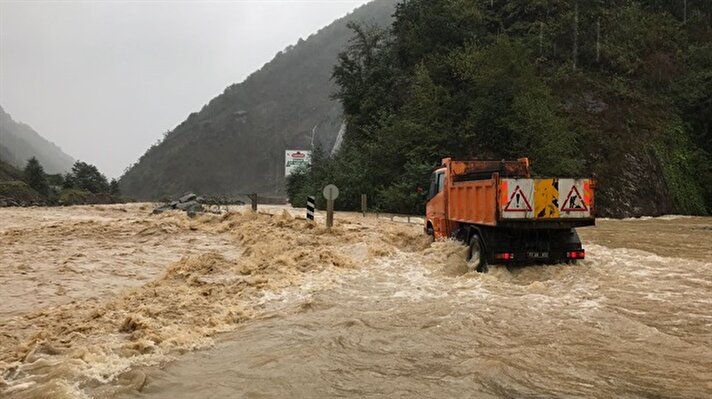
505 215
436 221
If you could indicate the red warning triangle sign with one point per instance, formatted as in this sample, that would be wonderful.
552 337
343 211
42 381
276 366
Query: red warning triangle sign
574 201
518 202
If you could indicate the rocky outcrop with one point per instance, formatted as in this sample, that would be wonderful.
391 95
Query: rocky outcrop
190 203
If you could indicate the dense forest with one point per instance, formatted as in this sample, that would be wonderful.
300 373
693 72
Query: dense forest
617 90
235 144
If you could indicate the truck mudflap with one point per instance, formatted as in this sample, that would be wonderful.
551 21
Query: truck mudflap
546 199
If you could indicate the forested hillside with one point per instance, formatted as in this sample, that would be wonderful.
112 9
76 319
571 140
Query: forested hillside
236 143
618 90
19 142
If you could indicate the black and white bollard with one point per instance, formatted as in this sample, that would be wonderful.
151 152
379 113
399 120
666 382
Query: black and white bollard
310 207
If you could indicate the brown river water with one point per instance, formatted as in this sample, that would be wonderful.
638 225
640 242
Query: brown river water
109 302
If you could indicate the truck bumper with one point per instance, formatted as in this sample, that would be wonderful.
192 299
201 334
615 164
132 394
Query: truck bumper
533 246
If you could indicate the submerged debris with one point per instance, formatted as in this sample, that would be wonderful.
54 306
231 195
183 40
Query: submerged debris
190 203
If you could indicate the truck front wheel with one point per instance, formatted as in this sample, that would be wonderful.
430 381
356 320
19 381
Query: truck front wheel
430 232
476 259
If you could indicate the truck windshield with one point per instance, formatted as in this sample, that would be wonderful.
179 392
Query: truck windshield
441 181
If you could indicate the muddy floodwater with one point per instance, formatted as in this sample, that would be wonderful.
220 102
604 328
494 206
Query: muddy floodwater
111 302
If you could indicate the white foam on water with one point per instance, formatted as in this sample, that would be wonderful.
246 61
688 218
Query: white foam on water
674 217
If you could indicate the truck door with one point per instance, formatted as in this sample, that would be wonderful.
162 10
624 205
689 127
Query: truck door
435 209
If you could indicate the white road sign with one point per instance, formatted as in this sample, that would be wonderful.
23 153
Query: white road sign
295 158
331 192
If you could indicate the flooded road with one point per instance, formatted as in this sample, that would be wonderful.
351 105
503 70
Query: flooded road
53 256
373 310
625 323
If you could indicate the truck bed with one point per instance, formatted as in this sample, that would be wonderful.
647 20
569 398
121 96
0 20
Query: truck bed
538 202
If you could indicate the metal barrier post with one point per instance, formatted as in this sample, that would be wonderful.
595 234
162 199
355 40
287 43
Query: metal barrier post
329 213
311 201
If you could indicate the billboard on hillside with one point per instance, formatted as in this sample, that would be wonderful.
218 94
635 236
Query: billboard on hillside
295 158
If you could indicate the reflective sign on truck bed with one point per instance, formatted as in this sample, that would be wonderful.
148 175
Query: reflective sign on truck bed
545 198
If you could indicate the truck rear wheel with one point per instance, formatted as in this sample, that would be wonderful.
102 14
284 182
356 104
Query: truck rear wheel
475 255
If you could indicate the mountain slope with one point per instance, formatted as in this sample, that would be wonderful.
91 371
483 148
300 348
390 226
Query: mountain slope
6 156
236 143
19 142
8 172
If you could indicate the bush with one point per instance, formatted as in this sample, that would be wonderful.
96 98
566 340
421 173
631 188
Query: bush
18 191
73 196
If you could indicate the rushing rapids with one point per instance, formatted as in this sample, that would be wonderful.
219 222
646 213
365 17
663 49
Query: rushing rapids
110 302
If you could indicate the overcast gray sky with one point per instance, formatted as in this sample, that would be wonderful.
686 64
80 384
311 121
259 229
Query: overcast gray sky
105 79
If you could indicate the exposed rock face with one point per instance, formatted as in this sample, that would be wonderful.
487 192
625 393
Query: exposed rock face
630 198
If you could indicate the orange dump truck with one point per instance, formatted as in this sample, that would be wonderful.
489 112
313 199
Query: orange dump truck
505 215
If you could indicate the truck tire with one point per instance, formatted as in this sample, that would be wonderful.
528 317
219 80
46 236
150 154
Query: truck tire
476 259
430 232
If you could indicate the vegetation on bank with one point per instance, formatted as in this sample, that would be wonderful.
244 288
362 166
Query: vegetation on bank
621 91
19 192
32 186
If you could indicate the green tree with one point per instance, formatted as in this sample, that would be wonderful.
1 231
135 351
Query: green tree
360 79
87 177
298 187
114 188
35 176
68 181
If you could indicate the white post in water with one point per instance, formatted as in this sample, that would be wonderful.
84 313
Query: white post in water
311 205
331 192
